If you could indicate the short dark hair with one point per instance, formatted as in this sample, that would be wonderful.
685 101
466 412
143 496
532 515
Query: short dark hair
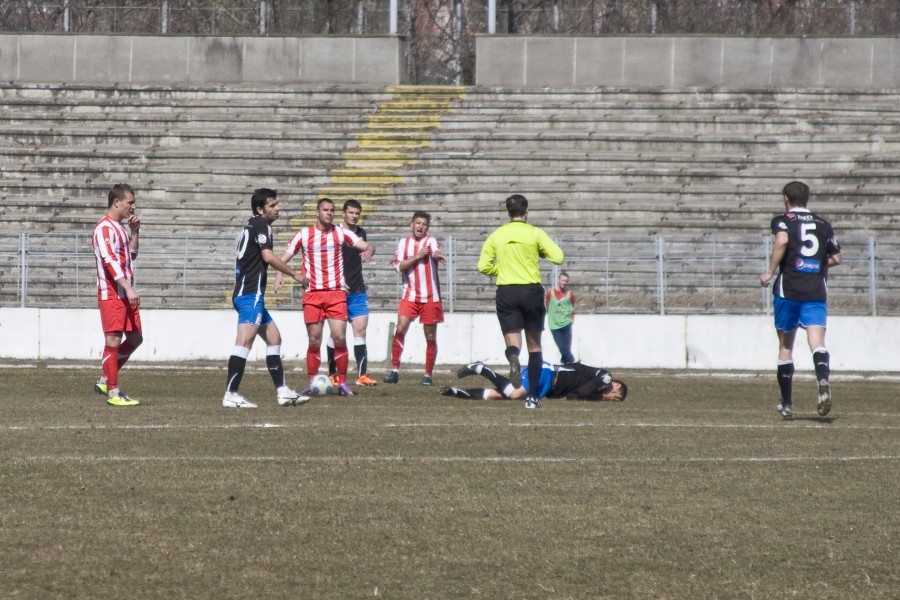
797 194
563 274
351 203
323 201
421 214
624 389
260 197
119 191
517 205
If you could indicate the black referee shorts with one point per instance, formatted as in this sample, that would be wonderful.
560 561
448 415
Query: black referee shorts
520 307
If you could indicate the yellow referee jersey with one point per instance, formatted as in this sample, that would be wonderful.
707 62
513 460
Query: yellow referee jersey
512 251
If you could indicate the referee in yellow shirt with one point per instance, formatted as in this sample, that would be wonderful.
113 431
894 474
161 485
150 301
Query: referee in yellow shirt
511 254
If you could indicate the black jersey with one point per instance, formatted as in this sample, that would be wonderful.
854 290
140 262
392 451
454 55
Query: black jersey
250 268
580 382
353 273
804 268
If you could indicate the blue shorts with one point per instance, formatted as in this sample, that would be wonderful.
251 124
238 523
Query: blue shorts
789 314
545 381
357 305
251 309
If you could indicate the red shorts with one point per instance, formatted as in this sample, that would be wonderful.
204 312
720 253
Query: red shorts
429 313
321 305
118 316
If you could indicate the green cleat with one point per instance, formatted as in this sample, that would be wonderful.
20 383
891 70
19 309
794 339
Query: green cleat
101 388
121 399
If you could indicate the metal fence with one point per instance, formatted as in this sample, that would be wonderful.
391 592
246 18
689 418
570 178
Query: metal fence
609 274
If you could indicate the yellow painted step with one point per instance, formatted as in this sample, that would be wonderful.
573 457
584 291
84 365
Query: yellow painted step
350 178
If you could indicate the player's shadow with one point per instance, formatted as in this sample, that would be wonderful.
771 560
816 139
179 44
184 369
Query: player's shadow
817 419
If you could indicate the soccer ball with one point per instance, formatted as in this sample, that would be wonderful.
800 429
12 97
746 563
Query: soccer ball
320 385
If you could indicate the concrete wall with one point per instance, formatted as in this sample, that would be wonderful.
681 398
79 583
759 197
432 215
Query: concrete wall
626 342
687 61
86 59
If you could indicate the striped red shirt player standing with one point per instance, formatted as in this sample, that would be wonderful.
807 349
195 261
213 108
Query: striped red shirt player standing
323 279
417 260
115 250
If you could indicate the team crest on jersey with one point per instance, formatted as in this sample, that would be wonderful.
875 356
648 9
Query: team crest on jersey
807 265
607 378
261 239
782 225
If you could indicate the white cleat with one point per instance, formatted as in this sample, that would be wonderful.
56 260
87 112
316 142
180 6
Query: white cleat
288 397
235 400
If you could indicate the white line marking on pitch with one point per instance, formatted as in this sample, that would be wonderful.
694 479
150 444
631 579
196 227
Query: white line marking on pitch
454 459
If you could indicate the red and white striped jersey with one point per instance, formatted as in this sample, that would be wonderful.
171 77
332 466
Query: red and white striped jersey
115 259
421 282
323 260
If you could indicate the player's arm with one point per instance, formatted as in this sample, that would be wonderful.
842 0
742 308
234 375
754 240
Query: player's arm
487 260
593 389
435 251
778 250
366 254
134 224
834 259
281 265
548 249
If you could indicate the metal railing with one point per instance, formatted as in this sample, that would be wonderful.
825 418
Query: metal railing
609 274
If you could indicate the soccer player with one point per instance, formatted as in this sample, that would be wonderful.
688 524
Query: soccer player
357 297
254 256
511 254
115 250
416 259
560 303
324 298
804 249
573 381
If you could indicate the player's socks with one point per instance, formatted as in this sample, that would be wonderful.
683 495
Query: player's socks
329 352
236 363
822 360
535 364
498 381
397 349
313 360
125 352
361 354
110 363
341 361
511 351
273 364
431 349
785 379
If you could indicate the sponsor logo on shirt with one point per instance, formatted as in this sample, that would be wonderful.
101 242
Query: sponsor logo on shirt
808 265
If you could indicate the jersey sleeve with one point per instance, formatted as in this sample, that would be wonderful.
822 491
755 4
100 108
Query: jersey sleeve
105 240
293 246
779 223
487 264
593 389
261 234
400 254
548 249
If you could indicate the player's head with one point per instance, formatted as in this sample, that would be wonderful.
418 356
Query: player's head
563 280
797 194
617 392
420 223
352 212
325 212
120 191
517 206
259 199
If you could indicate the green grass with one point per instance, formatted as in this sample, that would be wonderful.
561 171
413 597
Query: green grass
693 488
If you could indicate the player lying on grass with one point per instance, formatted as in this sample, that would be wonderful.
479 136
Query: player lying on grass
574 381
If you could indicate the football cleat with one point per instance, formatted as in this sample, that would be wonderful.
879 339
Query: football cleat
469 370
532 402
101 388
344 390
334 379
288 397
392 377
785 409
823 406
365 380
235 400
426 380
121 399
515 372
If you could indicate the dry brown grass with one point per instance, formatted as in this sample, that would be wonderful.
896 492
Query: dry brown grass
694 488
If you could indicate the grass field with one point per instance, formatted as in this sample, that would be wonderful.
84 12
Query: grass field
693 488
